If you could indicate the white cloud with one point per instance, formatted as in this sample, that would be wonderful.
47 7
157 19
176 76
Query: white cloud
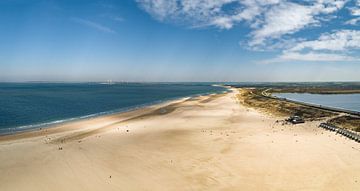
314 56
283 19
288 18
328 6
249 12
353 21
333 47
205 12
160 9
268 19
310 57
271 24
93 25
354 11
193 12
338 41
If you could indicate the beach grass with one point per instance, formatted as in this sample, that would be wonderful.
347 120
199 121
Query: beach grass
347 122
252 97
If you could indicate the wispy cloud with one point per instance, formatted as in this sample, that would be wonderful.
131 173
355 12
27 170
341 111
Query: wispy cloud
272 23
112 17
309 57
204 12
354 21
354 11
341 40
268 19
118 19
288 17
282 19
93 25
335 46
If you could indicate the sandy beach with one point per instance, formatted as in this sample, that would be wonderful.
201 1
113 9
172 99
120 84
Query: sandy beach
205 143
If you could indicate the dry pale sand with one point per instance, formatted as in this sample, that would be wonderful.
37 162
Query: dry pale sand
207 143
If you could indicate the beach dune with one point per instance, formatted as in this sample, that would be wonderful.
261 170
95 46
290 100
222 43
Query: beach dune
205 143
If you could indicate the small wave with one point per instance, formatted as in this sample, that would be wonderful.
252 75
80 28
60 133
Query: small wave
7 131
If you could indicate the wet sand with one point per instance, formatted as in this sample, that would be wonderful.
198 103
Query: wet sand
204 143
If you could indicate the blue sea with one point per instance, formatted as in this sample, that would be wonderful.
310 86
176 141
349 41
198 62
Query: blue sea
25 106
343 101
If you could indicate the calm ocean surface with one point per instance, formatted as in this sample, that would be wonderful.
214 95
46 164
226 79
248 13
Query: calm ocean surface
344 101
32 105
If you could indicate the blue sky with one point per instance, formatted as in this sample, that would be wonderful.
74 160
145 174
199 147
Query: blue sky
179 40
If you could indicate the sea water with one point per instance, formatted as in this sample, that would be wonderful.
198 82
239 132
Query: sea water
31 105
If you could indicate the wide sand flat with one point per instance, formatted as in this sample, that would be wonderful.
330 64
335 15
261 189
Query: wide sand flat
207 143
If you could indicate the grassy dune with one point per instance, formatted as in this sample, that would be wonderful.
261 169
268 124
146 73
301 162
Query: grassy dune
254 99
347 122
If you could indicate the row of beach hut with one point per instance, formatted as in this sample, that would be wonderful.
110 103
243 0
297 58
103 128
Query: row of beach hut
346 133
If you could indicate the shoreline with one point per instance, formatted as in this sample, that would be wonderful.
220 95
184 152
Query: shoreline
133 112
51 124
45 125
62 127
